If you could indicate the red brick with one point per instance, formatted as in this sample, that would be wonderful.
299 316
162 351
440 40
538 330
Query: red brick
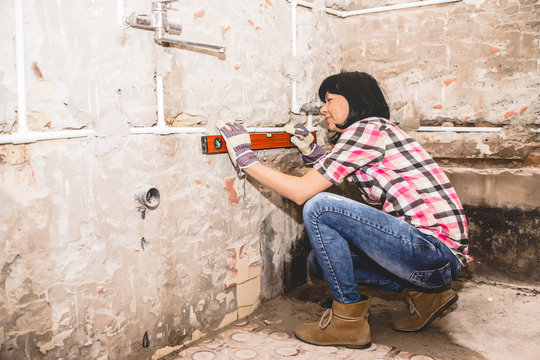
509 113
199 14
224 30
449 81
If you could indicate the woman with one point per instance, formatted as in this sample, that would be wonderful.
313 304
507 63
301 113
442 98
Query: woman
413 234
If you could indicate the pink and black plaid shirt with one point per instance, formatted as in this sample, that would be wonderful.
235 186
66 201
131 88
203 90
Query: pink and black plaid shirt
397 175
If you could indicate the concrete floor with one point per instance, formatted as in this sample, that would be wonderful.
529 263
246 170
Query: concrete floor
492 320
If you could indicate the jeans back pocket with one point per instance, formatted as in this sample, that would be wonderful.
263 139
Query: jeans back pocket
431 279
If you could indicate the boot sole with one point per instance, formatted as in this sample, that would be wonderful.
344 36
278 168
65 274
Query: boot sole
451 301
347 345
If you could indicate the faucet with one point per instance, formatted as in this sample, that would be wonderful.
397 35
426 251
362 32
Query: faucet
313 107
164 28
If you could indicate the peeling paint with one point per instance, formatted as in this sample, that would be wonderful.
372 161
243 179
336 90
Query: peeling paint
229 187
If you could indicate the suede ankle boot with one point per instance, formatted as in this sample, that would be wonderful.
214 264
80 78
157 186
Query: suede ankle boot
342 325
424 308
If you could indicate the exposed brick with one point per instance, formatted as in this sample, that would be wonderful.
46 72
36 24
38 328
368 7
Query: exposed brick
199 14
449 81
37 71
509 113
224 30
229 187
13 154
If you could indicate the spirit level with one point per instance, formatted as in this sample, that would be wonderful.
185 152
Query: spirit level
213 144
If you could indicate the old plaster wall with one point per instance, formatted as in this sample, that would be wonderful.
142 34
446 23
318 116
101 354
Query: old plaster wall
85 276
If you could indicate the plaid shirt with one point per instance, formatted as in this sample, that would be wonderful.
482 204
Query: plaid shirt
397 175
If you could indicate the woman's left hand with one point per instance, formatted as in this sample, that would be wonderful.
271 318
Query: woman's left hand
305 142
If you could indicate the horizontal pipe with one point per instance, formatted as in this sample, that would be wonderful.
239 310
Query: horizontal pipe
165 130
305 3
169 39
458 129
344 14
273 129
33 136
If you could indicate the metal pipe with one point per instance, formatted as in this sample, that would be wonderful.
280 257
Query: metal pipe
169 39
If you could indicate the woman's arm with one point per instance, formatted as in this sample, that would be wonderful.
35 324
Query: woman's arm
296 188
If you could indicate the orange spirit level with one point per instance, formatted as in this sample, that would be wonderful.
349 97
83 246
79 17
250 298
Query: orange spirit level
213 144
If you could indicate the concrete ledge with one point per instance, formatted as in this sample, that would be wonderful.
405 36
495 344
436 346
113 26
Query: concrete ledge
497 188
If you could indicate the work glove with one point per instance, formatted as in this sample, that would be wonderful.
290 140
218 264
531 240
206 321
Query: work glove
238 145
304 141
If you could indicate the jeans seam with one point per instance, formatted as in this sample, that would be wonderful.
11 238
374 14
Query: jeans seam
362 221
321 243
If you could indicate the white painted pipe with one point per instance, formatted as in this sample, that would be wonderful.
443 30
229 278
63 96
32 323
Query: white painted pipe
344 14
294 4
162 128
159 98
458 129
33 136
295 108
310 127
309 124
258 130
167 130
305 3
22 125
23 134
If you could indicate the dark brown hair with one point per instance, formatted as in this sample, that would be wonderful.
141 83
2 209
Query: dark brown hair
362 92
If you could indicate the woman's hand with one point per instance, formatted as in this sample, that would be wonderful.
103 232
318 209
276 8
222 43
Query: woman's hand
304 141
238 145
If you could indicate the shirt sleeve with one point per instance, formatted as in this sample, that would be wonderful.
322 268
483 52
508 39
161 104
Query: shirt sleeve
361 144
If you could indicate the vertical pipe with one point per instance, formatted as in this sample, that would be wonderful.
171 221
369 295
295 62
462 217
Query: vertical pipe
159 94
293 21
22 124
295 108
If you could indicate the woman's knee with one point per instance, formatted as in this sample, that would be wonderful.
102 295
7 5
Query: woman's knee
312 206
315 205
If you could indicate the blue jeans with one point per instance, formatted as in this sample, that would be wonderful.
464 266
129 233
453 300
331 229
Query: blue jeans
354 243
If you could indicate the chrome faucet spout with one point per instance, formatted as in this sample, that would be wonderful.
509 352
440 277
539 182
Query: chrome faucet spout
163 28
172 40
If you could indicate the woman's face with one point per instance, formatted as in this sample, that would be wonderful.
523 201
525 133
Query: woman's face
335 110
